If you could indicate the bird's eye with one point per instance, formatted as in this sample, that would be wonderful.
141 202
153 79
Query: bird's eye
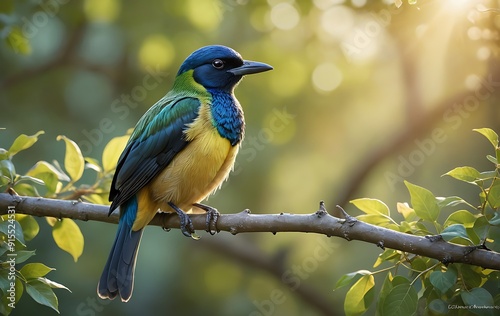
218 64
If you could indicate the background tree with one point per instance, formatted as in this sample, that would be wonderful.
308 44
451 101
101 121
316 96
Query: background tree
415 78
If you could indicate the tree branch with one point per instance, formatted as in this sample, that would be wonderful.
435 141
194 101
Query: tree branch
320 222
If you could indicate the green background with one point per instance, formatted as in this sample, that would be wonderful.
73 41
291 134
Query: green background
362 96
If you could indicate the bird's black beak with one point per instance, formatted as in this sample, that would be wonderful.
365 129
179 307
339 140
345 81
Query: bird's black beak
250 67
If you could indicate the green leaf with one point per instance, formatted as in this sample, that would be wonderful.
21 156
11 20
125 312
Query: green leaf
4 280
4 180
23 255
112 152
53 284
419 264
494 235
401 300
7 169
4 306
26 189
29 225
494 195
478 297
455 231
372 206
492 159
11 227
68 237
488 175
19 289
387 255
423 202
49 174
451 201
358 298
495 221
42 294
443 281
91 163
481 227
463 217
407 212
23 142
28 179
489 134
399 279
4 154
73 160
374 219
346 279
438 307
51 220
384 291
96 198
466 174
45 167
34 270
470 275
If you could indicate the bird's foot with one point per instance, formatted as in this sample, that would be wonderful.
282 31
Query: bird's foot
187 227
212 217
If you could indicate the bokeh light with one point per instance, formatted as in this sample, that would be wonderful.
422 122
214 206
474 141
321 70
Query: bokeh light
102 10
205 15
285 16
156 51
326 77
337 20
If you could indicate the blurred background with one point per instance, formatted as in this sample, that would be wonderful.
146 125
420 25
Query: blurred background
363 95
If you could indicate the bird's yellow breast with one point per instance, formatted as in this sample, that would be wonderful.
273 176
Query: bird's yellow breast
194 173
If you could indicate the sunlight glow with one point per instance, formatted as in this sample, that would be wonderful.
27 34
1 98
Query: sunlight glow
326 77
156 51
472 82
483 53
337 20
457 5
285 16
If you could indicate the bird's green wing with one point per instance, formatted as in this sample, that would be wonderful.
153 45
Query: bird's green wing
157 138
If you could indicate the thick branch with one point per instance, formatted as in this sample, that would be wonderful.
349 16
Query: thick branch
244 222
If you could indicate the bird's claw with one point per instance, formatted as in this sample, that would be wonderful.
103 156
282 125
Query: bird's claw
187 227
212 217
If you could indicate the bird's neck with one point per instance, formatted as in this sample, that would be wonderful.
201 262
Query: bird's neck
185 84
227 116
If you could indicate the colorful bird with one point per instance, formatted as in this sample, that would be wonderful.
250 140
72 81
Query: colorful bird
180 151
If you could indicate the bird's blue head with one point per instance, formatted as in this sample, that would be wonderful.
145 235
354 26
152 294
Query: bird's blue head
219 67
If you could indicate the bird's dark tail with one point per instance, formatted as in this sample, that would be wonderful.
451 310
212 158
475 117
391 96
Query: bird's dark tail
118 275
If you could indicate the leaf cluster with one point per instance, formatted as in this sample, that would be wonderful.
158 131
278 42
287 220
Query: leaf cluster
48 180
419 285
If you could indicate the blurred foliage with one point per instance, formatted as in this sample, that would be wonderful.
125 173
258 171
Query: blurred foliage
351 79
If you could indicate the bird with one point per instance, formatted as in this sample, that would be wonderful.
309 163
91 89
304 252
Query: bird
180 151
